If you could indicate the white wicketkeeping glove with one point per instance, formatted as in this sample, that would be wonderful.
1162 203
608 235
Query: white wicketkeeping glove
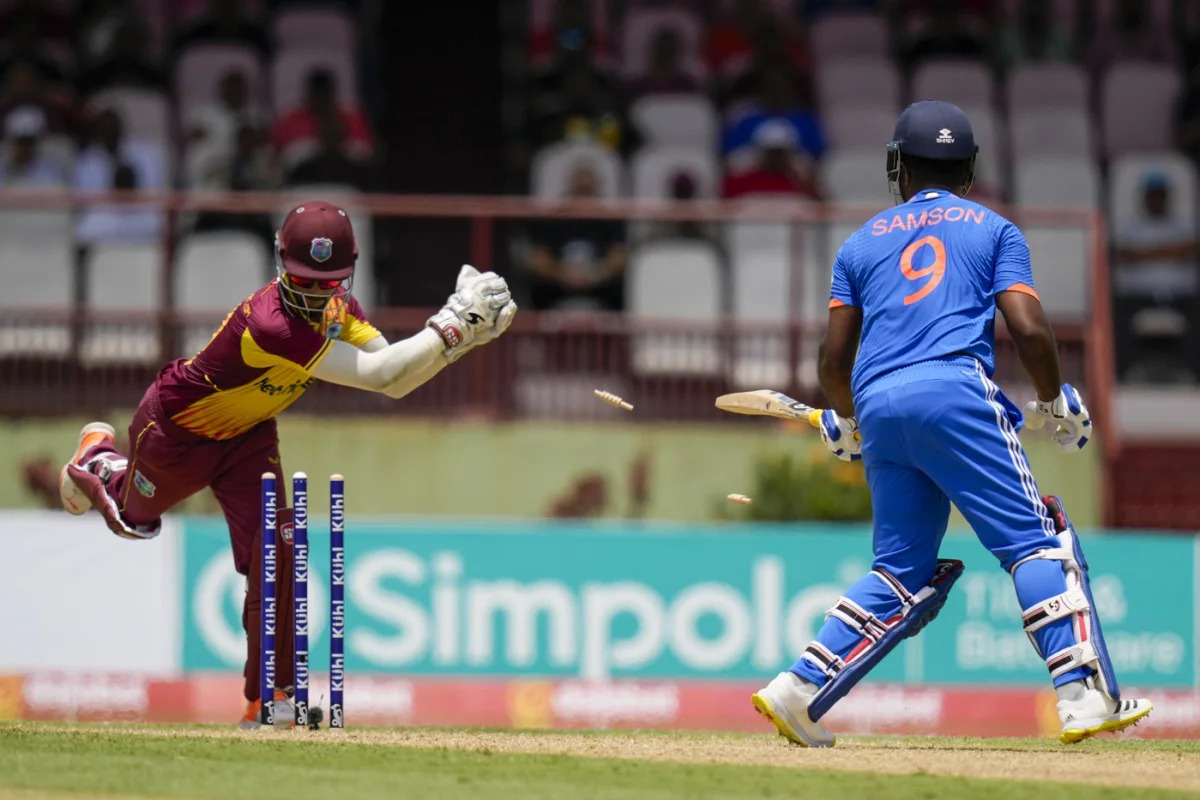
473 313
841 435
1070 417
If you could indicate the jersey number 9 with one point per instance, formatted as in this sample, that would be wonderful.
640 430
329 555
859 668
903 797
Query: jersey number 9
935 271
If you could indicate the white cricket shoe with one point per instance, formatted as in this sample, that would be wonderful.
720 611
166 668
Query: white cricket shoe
73 498
1095 713
784 701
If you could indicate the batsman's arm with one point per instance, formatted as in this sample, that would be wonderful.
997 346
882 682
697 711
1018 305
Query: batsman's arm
1034 340
837 357
395 369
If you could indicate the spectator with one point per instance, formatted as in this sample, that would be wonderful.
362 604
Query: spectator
212 129
572 30
296 134
578 264
111 161
665 74
740 32
1034 35
98 31
683 189
128 65
23 86
777 100
581 111
1132 36
246 168
224 23
21 42
777 171
946 33
1156 268
330 163
22 166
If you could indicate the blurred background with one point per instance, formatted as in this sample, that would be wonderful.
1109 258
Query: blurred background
665 185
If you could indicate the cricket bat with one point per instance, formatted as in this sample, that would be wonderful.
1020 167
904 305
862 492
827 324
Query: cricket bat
768 403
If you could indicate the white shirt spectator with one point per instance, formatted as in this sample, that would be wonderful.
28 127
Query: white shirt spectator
95 171
22 165
1162 278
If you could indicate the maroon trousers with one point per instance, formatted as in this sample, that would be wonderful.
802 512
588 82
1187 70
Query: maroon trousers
168 464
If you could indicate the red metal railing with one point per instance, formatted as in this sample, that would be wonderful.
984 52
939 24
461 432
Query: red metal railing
548 364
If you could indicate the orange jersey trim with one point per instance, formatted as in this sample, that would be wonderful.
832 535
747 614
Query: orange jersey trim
1023 289
835 303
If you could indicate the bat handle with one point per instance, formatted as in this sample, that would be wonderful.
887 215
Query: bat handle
814 418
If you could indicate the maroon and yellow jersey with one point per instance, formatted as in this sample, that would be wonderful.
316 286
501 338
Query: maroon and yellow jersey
257 364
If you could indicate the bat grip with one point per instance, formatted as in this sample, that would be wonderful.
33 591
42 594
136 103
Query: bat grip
814 418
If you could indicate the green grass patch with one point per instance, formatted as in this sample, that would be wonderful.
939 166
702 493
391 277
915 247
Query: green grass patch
43 761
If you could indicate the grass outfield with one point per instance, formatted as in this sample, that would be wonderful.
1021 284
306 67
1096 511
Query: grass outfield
59 761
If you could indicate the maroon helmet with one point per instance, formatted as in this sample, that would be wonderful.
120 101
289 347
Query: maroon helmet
316 242
315 255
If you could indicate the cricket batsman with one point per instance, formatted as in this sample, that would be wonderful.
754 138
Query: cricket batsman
209 420
920 284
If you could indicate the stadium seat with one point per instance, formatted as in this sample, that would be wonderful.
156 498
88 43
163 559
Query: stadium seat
760 269
848 34
653 167
959 81
1137 102
1060 270
1125 186
675 280
40 238
1057 180
859 128
1052 131
122 277
1047 86
676 119
857 176
551 169
289 71
859 82
990 163
313 29
213 273
640 27
145 112
201 67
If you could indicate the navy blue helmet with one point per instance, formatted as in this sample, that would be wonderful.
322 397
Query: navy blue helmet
933 130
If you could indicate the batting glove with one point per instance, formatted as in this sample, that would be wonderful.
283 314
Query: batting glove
841 435
1071 420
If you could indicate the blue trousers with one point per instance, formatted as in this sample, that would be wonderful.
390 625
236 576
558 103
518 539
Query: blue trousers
935 433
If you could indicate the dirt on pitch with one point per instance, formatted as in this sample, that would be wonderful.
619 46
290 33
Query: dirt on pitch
974 758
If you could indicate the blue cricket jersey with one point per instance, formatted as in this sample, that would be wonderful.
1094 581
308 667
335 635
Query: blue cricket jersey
925 275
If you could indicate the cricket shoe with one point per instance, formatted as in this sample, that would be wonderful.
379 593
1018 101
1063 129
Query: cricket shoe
784 701
285 713
74 499
1095 713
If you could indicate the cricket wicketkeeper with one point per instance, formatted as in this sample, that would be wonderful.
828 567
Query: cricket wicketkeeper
209 420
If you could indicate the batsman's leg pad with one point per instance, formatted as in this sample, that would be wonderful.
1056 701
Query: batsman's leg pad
1089 649
879 636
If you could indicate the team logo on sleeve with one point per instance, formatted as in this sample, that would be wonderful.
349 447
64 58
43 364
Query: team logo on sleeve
144 486
321 249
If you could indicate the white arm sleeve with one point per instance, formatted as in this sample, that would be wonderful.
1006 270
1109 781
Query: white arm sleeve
408 363
375 345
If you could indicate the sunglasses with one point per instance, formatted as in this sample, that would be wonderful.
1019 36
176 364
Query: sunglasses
303 283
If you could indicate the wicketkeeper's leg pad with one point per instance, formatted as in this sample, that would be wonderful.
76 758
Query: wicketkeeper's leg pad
879 636
1088 650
